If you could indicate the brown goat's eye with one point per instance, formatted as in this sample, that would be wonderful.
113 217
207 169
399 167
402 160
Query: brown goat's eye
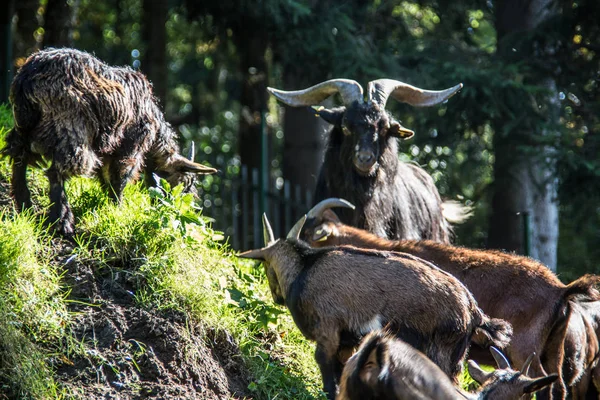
345 130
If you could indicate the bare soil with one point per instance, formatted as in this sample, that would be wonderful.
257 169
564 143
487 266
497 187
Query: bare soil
135 353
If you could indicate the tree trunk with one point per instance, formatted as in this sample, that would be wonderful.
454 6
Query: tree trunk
304 146
154 34
525 183
8 10
27 23
253 100
59 21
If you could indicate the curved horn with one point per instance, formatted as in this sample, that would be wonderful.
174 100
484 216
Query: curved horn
319 208
267 231
295 231
381 89
499 357
350 91
192 152
525 368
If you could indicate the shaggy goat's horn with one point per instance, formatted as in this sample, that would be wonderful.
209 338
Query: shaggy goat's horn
192 152
267 231
499 357
525 368
296 229
350 91
319 208
381 89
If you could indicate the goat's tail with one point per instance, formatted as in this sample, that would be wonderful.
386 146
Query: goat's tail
583 288
456 212
493 332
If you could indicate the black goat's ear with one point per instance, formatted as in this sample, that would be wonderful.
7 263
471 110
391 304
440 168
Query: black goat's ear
182 164
539 383
397 130
333 116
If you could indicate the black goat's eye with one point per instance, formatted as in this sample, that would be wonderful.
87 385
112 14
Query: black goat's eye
345 130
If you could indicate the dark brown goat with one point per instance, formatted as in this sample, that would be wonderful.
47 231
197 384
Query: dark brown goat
89 119
386 368
517 289
394 199
581 350
335 300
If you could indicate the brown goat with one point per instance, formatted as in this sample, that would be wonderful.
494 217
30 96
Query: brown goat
385 367
88 118
335 300
517 289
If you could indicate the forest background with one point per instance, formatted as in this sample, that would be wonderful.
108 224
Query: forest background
520 143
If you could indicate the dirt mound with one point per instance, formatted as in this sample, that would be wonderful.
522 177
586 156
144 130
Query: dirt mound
134 353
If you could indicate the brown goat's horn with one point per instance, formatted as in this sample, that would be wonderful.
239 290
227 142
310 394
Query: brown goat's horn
192 152
350 91
499 357
296 229
381 89
525 368
319 208
267 231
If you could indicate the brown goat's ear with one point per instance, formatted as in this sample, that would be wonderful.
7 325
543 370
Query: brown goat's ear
479 375
539 383
257 254
399 131
321 233
182 164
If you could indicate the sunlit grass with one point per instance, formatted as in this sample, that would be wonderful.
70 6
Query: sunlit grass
33 314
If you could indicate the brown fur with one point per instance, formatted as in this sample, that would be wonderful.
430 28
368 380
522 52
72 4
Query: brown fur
517 289
385 367
89 119
332 296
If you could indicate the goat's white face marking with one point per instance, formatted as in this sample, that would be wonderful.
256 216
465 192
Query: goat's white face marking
374 324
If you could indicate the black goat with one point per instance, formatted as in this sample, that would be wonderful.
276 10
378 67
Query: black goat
335 300
394 200
89 119
386 368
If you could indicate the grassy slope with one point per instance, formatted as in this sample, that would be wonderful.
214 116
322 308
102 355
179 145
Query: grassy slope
175 262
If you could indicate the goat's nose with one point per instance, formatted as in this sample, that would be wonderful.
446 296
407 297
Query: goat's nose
365 157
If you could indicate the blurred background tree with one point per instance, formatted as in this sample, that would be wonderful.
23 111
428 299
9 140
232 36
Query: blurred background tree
519 143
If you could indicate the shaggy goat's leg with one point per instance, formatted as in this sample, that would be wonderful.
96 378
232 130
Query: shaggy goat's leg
326 357
60 212
120 173
19 189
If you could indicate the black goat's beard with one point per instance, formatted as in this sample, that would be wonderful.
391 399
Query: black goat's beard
371 173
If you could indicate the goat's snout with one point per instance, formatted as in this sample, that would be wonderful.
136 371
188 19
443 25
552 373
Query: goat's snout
364 160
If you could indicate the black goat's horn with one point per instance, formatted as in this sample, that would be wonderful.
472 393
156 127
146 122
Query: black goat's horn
192 152
350 91
499 357
380 89
294 233
525 368
319 208
267 231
